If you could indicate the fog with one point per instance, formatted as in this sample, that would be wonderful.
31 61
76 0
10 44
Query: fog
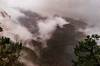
87 10
42 20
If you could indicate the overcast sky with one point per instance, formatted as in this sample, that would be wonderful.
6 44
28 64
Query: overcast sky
87 10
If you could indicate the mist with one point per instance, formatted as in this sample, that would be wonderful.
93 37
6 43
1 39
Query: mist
51 22
77 9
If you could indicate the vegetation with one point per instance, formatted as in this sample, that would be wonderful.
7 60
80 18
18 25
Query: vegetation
87 52
9 52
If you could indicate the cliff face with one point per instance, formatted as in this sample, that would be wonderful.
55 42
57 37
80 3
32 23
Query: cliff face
32 30
47 40
60 46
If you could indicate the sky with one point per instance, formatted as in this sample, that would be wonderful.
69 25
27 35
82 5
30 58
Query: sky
23 17
87 10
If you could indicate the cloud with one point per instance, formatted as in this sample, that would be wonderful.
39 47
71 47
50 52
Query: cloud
18 32
30 29
48 26
13 30
41 27
87 10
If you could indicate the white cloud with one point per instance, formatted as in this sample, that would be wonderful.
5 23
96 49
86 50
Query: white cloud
48 26
87 10
13 30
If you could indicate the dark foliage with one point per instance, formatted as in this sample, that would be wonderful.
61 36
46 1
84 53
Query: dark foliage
9 52
87 52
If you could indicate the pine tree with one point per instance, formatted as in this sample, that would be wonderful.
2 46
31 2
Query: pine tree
87 52
9 52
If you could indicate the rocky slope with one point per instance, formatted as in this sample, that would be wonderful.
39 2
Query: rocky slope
48 41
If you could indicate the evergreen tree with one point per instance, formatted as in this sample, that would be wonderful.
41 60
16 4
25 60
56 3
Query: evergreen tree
9 52
87 52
